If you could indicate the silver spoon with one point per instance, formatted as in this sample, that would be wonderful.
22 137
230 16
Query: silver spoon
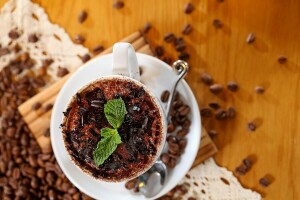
151 182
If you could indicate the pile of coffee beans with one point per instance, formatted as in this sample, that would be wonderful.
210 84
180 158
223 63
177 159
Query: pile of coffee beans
26 172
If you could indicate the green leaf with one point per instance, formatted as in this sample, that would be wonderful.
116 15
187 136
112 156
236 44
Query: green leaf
115 112
107 145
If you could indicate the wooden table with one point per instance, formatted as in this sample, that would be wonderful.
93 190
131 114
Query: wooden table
225 54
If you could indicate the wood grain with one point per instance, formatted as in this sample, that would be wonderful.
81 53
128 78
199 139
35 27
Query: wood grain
224 54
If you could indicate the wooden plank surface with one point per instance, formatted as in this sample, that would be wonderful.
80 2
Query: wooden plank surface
225 54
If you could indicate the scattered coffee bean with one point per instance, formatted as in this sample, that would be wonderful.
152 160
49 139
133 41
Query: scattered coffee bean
169 37
259 89
187 29
221 114
180 47
214 105
147 28
33 38
118 4
241 170
282 60
165 96
79 39
217 23
251 126
232 86
264 182
36 106
47 107
184 56
250 38
212 133
98 49
231 112
85 58
62 71
206 78
248 163
159 50
206 112
13 35
82 16
216 88
47 132
188 8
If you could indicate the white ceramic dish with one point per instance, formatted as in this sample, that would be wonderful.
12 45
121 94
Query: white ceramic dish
157 76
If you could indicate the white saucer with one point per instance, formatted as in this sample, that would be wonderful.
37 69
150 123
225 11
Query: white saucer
157 76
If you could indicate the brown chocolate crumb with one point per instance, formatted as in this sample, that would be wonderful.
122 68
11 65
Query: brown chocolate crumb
33 38
13 35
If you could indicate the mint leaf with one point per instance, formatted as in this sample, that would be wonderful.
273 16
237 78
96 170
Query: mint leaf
115 112
107 145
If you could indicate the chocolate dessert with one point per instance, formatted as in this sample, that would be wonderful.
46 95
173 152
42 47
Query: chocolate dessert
141 132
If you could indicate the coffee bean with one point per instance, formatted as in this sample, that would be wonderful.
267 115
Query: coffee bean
214 105
47 132
251 126
172 139
147 28
167 60
62 71
206 112
36 106
241 170
52 195
182 143
170 128
264 182
231 112
259 89
85 58
159 50
184 110
187 29
186 124
250 38
10 132
172 163
221 114
118 4
216 88
130 184
206 78
184 56
41 173
79 39
13 35
169 37
232 86
3 181
165 96
180 47
212 133
82 16
282 60
98 49
34 183
188 8
248 163
47 107
33 38
32 161
50 178
217 23
181 133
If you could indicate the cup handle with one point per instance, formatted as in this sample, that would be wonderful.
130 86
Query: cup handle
125 61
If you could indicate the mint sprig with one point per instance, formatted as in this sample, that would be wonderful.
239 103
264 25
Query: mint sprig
115 112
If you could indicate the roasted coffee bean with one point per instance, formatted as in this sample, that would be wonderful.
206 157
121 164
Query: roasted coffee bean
250 38
169 37
82 16
174 147
186 124
177 104
16 173
79 39
241 170
52 195
187 29
10 132
282 60
184 56
47 107
181 133
206 78
41 173
147 28
217 23
221 114
3 181
13 34
47 132
172 139
34 183
214 105
182 143
170 128
184 110
231 112
118 4
259 89
159 50
97 103
130 184
32 161
36 106
232 86
248 163
216 88
206 112
85 58
98 49
33 38
172 163
188 8
165 158
264 182
50 178
212 133
180 47
62 71
251 126
167 60
165 96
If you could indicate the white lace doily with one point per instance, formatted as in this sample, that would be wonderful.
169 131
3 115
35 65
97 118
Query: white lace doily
207 181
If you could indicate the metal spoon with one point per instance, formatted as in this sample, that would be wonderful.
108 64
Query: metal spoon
151 182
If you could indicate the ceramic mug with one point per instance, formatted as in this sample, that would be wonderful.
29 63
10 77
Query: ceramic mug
76 127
